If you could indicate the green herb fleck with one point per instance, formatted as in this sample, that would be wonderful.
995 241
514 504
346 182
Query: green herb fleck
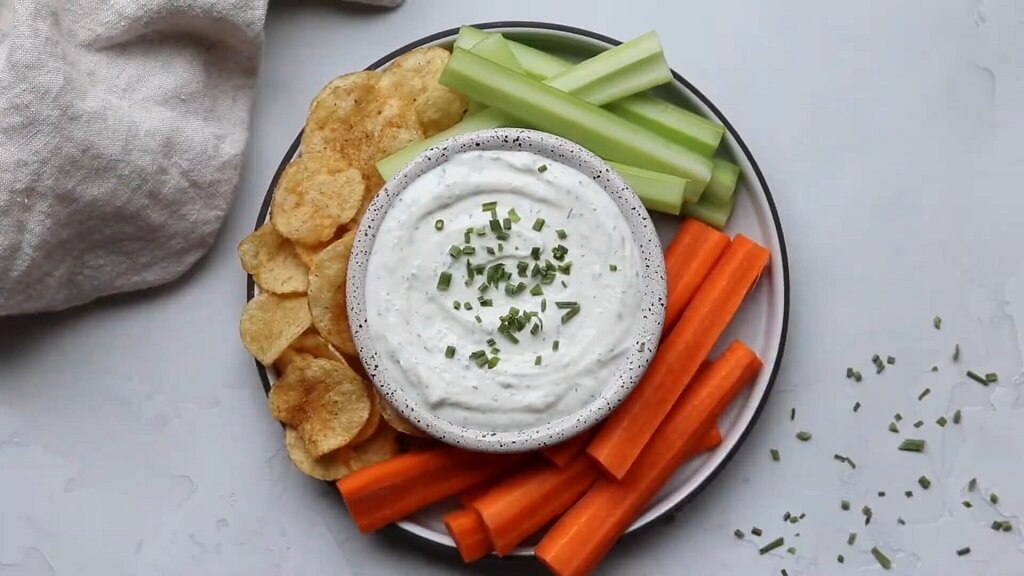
1002 525
535 254
856 406
845 505
449 352
792 414
924 482
776 456
956 353
444 281
562 235
941 421
890 360
489 206
803 436
993 498
881 493
882 559
964 551
851 538
756 531
901 521
967 504
554 346
478 319
513 215
991 377
538 224
866 511
972 485
537 360
957 416
935 368
897 417
738 533
613 268
879 365
937 323
570 314
894 428
542 168
455 251
840 559
791 550
912 445
778 542
919 423
924 393
909 493
845 460
439 225
492 362
467 250
977 378
457 305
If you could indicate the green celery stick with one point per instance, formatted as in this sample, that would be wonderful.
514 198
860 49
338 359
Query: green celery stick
661 192
550 109
496 49
612 63
713 214
724 176
692 130
469 37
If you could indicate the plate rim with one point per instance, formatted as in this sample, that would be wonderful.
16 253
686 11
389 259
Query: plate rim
705 101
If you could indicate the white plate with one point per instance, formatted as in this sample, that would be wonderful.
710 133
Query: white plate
761 323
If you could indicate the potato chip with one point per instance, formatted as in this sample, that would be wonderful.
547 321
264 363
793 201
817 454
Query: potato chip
353 120
394 418
308 253
327 283
315 195
273 262
326 401
308 345
288 357
372 421
330 466
377 448
270 322
414 76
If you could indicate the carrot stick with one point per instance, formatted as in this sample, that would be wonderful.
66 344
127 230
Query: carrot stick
712 440
466 497
582 537
469 533
688 261
395 488
624 434
562 454
526 502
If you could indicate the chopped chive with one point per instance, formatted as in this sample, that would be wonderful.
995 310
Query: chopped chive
559 252
490 250
542 168
513 216
792 414
485 302
879 365
783 572
881 493
488 206
901 521
738 533
535 252
897 417
909 493
449 352
522 268
536 361
543 304
941 421
468 250
492 362
565 269
564 305
570 314
613 268
467 305
501 247
803 436
444 281
561 234
1001 526
937 322
554 346
481 231
535 329
882 559
964 551
857 376
457 305
924 393
778 542
845 505
775 454
439 225
924 482
478 319
849 372
956 353
856 406
993 498
495 350
935 368
840 559
538 224
912 445
977 378
890 360
756 531
956 416
492 342
967 504
866 511
506 223
919 423
972 485
495 225
791 551
991 377
536 290
455 251
851 538
894 428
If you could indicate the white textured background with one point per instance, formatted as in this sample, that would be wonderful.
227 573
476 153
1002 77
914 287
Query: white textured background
134 437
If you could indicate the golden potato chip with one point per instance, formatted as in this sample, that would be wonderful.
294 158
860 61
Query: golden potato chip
372 421
414 76
394 418
308 253
315 195
326 401
330 466
355 121
270 322
289 356
308 345
327 283
377 448
273 262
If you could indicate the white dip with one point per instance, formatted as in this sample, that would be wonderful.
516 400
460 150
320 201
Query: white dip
412 322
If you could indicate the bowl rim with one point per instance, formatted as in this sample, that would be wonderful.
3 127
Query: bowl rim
644 335
704 101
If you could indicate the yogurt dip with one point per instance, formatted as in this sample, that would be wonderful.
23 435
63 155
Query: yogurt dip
503 290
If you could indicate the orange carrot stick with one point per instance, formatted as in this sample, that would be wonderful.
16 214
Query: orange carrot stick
469 533
466 497
582 537
395 488
526 502
712 440
562 454
688 261
624 434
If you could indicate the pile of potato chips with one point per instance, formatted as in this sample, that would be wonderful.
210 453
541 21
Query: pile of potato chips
335 422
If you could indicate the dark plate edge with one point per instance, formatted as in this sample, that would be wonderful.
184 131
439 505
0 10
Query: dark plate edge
265 208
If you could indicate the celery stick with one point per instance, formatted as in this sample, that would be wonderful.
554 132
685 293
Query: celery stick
496 49
550 109
714 214
724 176
615 74
661 192
469 37
622 57
692 130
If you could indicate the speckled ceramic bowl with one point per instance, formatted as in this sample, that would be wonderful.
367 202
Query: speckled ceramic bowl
652 287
